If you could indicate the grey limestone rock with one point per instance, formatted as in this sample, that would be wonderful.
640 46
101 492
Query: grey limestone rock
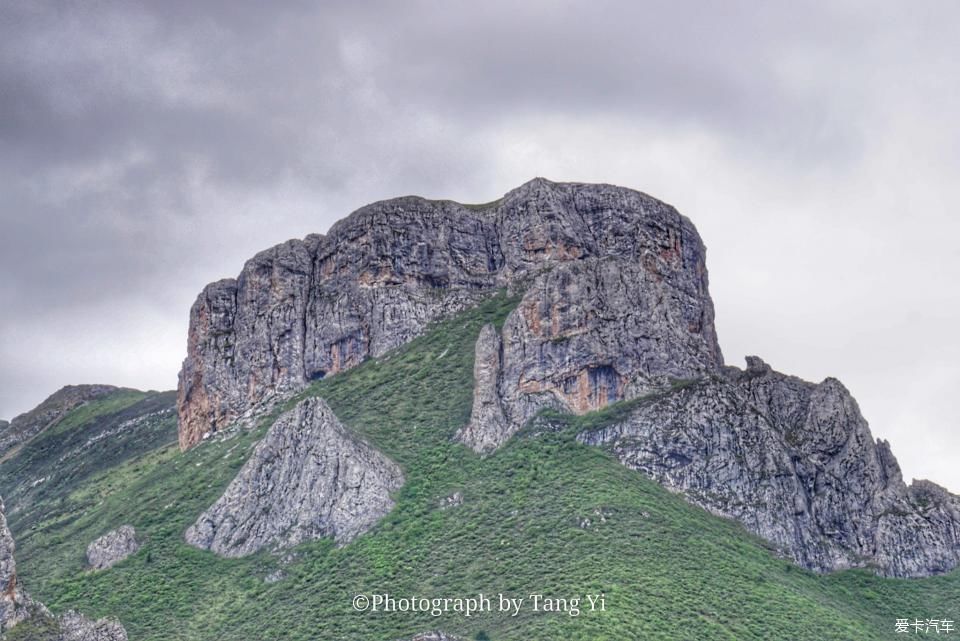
451 501
309 477
795 462
596 331
112 547
76 627
275 576
311 308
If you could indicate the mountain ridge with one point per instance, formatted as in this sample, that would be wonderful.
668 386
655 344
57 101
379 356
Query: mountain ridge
29 424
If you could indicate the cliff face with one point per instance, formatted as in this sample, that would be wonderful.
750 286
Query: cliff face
593 332
796 464
311 308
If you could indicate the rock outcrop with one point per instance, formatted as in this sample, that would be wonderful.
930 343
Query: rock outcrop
25 426
488 427
113 547
309 477
76 627
310 308
796 464
593 332
16 606
614 307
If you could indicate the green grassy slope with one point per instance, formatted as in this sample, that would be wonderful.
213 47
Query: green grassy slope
668 570
92 438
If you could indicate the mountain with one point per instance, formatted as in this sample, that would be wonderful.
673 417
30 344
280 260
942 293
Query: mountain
29 424
97 427
614 306
796 464
438 400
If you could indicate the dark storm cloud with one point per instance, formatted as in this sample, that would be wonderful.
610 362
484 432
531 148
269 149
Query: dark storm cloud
147 148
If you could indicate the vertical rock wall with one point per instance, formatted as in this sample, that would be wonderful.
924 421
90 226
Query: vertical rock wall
308 309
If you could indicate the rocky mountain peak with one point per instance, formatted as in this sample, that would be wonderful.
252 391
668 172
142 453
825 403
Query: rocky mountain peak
310 308
795 462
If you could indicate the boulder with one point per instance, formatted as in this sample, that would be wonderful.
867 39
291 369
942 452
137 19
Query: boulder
112 547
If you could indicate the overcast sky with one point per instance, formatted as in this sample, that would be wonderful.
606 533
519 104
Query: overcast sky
149 148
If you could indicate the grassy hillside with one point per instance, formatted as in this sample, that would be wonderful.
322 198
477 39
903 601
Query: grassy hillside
94 437
668 570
